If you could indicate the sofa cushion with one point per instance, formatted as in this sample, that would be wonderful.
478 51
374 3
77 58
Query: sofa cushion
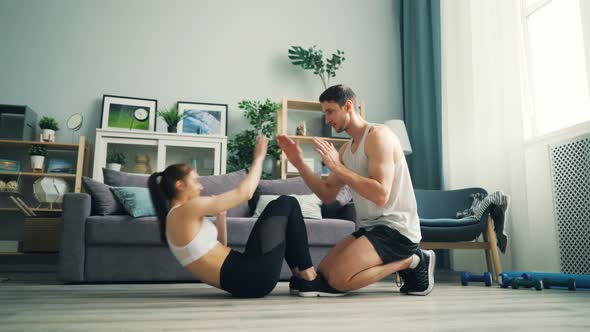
122 179
123 230
126 230
218 184
104 202
137 201
310 205
212 185
324 232
444 222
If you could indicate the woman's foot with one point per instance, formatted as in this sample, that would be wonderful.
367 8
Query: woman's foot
294 284
317 287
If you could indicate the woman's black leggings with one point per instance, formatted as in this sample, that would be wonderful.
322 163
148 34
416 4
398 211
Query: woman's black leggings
278 233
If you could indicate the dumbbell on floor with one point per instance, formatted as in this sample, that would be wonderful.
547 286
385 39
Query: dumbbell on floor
506 281
537 284
467 277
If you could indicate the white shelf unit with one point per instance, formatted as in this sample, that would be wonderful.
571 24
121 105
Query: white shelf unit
208 153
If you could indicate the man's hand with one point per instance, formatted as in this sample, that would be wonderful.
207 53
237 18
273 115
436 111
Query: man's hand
260 148
291 149
328 153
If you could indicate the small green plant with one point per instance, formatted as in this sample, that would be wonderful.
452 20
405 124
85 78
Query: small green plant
48 123
38 150
263 118
116 158
171 115
313 59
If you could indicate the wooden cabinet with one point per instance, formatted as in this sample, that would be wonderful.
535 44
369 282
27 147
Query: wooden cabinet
286 126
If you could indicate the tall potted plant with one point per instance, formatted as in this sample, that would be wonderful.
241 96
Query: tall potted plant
262 117
38 154
172 117
115 160
312 59
48 127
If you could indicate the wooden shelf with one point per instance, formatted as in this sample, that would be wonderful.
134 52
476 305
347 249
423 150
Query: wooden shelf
304 105
309 139
57 175
34 209
49 145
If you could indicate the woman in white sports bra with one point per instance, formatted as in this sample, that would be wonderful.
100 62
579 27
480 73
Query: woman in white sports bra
201 246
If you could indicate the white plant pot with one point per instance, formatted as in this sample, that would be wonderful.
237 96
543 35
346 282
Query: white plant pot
47 135
113 166
37 162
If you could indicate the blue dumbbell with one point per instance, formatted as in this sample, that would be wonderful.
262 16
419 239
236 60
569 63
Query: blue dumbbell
466 277
506 281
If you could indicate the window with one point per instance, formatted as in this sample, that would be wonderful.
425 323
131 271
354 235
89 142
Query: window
557 73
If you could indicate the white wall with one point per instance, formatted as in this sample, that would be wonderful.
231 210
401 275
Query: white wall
61 56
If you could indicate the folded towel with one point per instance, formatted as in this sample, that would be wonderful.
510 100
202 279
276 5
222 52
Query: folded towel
498 202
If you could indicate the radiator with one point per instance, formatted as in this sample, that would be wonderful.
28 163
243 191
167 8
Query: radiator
570 177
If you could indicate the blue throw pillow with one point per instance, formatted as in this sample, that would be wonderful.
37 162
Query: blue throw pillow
136 201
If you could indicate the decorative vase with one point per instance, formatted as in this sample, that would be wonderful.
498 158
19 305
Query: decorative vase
172 129
301 129
268 166
37 162
142 164
47 135
114 166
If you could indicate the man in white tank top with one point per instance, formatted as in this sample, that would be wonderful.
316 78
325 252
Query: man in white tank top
374 167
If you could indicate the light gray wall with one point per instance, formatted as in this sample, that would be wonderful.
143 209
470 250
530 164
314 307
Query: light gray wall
60 56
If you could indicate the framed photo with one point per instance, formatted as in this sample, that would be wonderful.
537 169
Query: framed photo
202 118
128 113
59 166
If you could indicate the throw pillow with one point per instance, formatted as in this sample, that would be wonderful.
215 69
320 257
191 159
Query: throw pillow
311 205
104 202
122 179
136 200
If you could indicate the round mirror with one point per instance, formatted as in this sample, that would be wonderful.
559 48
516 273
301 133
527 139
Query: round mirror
75 121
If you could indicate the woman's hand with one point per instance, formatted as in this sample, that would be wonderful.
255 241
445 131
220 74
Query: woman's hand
260 148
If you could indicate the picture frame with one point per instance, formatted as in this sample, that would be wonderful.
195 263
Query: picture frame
55 165
202 118
128 113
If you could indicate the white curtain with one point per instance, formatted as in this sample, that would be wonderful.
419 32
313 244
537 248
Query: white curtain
482 104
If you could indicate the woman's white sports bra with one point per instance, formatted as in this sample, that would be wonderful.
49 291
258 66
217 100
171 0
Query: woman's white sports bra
204 241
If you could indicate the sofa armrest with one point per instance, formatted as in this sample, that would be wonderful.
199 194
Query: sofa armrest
76 209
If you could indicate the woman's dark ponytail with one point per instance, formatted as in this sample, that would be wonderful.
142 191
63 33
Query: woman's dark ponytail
162 190
160 202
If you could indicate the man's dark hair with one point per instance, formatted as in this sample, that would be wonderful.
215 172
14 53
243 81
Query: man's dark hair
339 94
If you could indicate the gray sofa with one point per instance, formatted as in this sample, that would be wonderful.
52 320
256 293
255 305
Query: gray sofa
101 243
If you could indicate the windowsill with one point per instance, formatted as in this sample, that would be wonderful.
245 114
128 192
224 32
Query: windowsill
583 127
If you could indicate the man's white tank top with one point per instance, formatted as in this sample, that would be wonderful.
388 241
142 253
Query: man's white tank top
400 212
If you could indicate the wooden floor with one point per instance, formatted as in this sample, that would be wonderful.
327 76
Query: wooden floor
33 306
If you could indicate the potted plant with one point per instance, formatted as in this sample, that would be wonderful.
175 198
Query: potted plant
240 149
38 154
313 59
48 127
172 117
115 160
